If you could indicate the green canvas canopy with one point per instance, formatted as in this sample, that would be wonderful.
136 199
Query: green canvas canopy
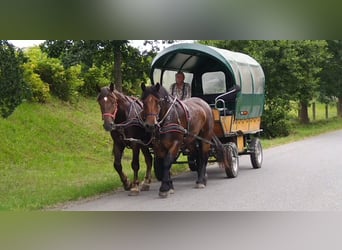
237 69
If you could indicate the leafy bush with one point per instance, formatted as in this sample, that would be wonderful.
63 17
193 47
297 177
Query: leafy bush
12 87
74 81
63 83
40 91
47 76
94 77
275 121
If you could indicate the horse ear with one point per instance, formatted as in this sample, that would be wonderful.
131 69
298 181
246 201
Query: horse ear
143 86
111 87
157 86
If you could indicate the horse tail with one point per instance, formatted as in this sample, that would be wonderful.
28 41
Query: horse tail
222 154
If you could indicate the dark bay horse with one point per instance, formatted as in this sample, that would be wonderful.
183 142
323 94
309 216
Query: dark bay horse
121 115
179 126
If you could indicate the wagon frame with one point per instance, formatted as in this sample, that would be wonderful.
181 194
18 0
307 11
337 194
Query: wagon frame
232 83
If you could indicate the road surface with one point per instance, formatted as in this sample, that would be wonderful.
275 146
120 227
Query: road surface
300 176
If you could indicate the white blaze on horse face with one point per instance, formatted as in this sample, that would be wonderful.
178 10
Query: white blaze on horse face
105 98
151 115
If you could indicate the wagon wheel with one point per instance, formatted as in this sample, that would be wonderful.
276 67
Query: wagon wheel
256 153
192 163
158 171
232 170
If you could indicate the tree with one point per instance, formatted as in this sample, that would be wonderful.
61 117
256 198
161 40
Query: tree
331 80
12 87
118 49
307 62
128 65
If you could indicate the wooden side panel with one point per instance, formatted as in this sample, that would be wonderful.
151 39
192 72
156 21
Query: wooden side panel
227 123
240 125
216 114
246 125
218 130
254 124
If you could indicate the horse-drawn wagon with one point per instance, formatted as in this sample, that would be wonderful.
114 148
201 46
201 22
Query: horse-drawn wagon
218 123
231 83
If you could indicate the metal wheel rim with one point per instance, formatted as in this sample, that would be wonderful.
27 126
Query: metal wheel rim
258 153
234 163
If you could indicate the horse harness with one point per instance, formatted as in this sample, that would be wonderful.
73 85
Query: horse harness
177 127
133 119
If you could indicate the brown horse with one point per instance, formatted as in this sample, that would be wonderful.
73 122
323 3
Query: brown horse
179 126
121 116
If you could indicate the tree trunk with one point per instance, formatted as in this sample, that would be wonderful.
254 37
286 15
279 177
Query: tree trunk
117 68
304 116
339 106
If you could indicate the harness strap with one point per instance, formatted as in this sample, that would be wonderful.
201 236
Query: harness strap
172 127
135 121
167 112
186 112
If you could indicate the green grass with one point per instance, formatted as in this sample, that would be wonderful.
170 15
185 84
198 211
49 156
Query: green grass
54 153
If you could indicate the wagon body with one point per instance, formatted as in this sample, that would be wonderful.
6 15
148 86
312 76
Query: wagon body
232 83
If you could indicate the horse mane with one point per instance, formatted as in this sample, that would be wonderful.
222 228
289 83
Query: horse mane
125 98
156 90
105 91
119 95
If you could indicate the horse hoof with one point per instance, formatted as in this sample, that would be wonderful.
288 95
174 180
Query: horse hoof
172 191
134 192
164 194
145 187
127 186
200 185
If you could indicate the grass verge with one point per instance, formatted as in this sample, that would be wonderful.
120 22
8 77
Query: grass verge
300 132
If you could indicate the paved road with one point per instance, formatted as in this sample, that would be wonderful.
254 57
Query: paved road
300 176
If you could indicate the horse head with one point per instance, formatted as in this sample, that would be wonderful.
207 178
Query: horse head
151 98
108 105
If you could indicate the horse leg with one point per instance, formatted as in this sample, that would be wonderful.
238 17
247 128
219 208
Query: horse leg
118 152
148 176
135 166
202 166
166 187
